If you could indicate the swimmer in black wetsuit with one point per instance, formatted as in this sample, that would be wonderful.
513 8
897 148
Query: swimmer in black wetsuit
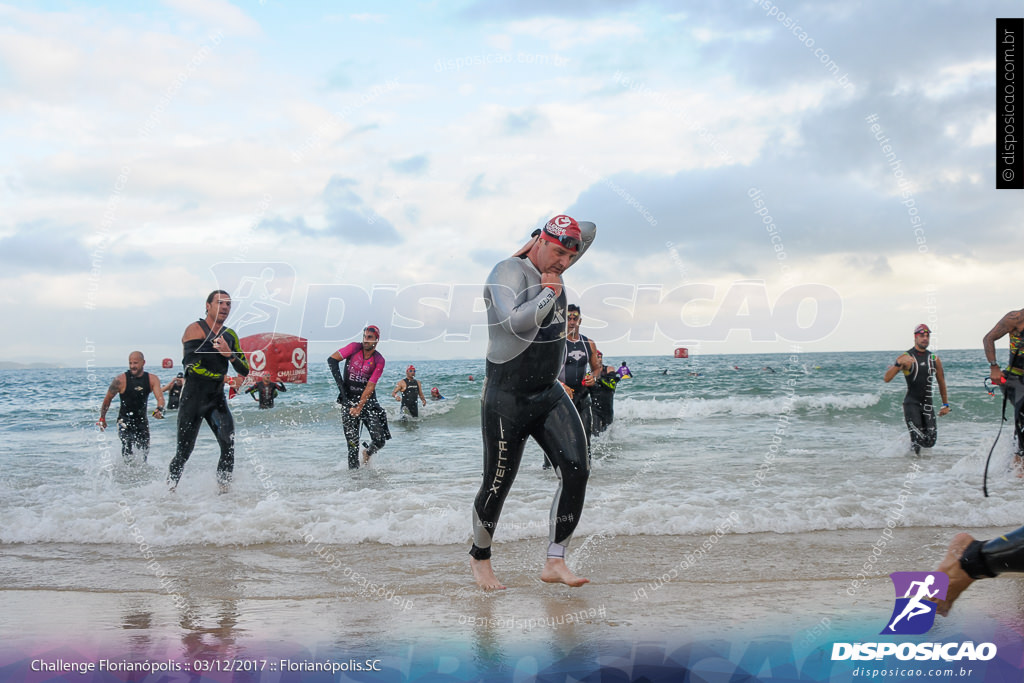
1012 378
410 389
522 397
134 387
173 390
579 370
919 366
209 347
265 391
967 560
603 393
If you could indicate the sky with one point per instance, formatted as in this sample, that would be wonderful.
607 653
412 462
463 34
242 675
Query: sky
765 176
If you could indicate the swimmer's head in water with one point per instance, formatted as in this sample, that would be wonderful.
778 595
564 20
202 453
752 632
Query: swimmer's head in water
564 231
434 391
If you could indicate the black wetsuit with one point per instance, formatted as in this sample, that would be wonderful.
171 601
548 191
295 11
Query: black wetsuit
411 397
985 559
173 396
577 365
203 398
1014 389
917 404
132 425
522 398
603 393
265 393
372 415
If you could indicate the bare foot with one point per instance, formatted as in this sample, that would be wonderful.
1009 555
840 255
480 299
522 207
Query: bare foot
958 578
556 571
366 456
484 575
1018 466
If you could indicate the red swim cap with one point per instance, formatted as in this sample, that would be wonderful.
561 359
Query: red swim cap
411 368
374 329
563 230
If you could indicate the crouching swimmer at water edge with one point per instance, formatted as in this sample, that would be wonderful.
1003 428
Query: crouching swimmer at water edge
526 315
357 394
209 347
968 559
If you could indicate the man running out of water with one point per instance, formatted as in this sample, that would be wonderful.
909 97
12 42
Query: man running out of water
603 393
134 388
209 347
526 315
411 391
357 394
578 371
918 366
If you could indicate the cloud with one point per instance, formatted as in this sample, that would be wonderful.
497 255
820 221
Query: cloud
414 165
218 14
41 246
346 216
521 123
477 189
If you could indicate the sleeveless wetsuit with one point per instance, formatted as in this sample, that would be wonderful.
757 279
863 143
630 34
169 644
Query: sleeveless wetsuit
203 398
985 559
577 365
522 398
359 372
411 397
603 393
917 404
173 396
266 393
132 425
1014 388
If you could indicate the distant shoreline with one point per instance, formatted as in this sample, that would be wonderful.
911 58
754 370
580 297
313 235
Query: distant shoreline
11 365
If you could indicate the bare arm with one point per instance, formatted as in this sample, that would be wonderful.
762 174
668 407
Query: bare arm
1010 322
595 365
940 377
399 388
192 332
154 386
902 361
116 387
422 397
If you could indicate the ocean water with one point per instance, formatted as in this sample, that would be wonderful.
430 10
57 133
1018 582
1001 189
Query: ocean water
786 443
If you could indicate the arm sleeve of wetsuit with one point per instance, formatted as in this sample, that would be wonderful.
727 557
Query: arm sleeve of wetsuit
588 231
523 320
189 356
335 366
238 361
